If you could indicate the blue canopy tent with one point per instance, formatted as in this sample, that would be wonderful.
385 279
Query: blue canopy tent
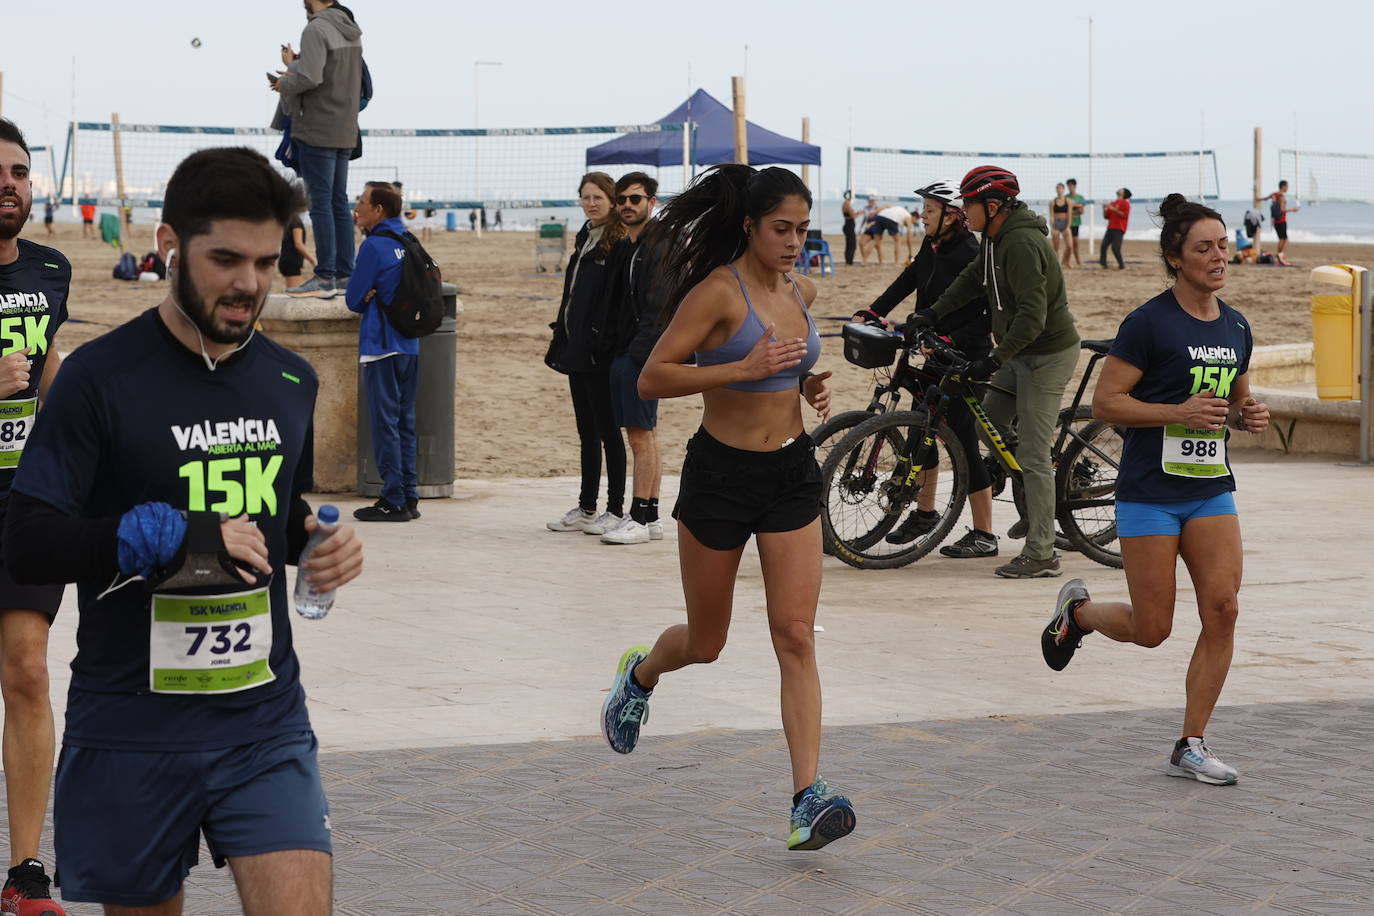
713 141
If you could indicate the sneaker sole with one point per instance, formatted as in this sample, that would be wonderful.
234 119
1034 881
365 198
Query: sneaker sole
834 822
1184 773
621 671
1040 574
617 542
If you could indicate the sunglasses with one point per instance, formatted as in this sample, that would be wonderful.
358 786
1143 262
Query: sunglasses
635 199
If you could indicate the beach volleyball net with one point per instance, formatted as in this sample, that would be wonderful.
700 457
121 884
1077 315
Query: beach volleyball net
895 174
444 169
1314 176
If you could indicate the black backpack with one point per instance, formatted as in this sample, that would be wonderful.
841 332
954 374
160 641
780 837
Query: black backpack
417 307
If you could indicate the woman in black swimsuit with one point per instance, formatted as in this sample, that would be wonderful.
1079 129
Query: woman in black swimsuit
1060 211
851 238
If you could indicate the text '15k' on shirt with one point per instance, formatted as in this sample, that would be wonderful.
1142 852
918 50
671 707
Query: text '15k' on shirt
135 417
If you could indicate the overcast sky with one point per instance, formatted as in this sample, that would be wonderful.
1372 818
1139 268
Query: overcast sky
991 74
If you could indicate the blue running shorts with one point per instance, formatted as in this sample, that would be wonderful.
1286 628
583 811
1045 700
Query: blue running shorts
127 824
1134 520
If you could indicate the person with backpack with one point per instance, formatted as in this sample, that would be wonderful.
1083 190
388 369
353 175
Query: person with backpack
324 89
1278 215
389 359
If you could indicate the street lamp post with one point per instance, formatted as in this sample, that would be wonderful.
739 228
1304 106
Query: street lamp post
477 66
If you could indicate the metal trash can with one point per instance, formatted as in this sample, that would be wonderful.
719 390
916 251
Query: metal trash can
434 446
451 221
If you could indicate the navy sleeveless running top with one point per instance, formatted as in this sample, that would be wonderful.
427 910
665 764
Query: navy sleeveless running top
743 340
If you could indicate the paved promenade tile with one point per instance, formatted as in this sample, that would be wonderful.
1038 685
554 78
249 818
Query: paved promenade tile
1027 815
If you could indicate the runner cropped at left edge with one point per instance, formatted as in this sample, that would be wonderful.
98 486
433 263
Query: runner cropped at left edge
166 480
34 285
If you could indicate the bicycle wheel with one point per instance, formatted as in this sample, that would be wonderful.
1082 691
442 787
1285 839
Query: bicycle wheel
1085 487
866 496
829 433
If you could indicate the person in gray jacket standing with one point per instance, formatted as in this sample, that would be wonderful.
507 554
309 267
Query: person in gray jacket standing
321 90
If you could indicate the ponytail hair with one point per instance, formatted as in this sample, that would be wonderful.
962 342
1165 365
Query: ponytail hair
1179 214
703 227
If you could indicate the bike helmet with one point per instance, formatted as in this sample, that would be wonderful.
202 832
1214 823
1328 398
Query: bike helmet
944 191
989 182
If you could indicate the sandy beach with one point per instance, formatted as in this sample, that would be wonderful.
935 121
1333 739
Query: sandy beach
513 414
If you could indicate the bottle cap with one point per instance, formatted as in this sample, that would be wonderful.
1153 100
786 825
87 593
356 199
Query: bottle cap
328 515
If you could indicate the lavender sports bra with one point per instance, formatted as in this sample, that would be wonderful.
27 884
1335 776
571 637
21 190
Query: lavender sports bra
743 340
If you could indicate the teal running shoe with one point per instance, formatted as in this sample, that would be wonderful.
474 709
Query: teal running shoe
626 707
820 817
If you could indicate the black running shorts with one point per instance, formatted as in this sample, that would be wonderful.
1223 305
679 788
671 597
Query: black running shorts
17 597
727 493
1282 229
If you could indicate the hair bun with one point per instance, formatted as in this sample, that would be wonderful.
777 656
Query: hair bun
1172 204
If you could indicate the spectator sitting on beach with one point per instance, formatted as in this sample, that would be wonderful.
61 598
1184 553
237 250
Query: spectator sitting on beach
1246 251
1118 214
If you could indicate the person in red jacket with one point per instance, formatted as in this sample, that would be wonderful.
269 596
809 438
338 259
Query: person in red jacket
1118 214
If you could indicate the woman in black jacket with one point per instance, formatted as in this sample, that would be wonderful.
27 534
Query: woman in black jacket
947 248
582 349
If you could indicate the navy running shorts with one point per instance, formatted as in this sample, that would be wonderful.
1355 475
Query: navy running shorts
15 596
628 408
1136 519
880 225
127 824
726 494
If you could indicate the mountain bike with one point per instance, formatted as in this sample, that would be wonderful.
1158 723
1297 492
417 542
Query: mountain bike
897 461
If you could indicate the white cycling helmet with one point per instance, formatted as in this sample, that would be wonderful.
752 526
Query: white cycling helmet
944 191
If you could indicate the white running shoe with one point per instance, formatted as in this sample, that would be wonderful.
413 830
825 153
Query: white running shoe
628 531
656 530
1196 761
602 523
575 520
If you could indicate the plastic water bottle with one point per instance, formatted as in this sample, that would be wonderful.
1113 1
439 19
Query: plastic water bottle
310 604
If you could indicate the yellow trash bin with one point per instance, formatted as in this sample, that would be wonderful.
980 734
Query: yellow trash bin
1336 331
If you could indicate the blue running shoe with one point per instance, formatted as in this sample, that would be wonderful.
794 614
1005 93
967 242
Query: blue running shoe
820 816
626 707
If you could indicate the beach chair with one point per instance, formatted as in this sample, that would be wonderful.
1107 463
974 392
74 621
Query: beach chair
550 244
817 249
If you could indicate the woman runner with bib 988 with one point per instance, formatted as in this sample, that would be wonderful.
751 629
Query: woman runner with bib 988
1176 378
734 236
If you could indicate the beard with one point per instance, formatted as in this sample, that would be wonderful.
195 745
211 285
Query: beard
12 221
202 315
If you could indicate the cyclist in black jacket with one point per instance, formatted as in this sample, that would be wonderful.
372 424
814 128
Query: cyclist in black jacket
947 248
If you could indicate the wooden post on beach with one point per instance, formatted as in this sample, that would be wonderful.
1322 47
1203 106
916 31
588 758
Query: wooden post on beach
806 138
741 129
119 173
1258 189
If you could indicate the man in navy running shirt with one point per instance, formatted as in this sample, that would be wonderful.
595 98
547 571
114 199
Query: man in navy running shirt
166 480
34 283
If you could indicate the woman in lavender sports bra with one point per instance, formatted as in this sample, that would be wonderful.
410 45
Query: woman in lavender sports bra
731 241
